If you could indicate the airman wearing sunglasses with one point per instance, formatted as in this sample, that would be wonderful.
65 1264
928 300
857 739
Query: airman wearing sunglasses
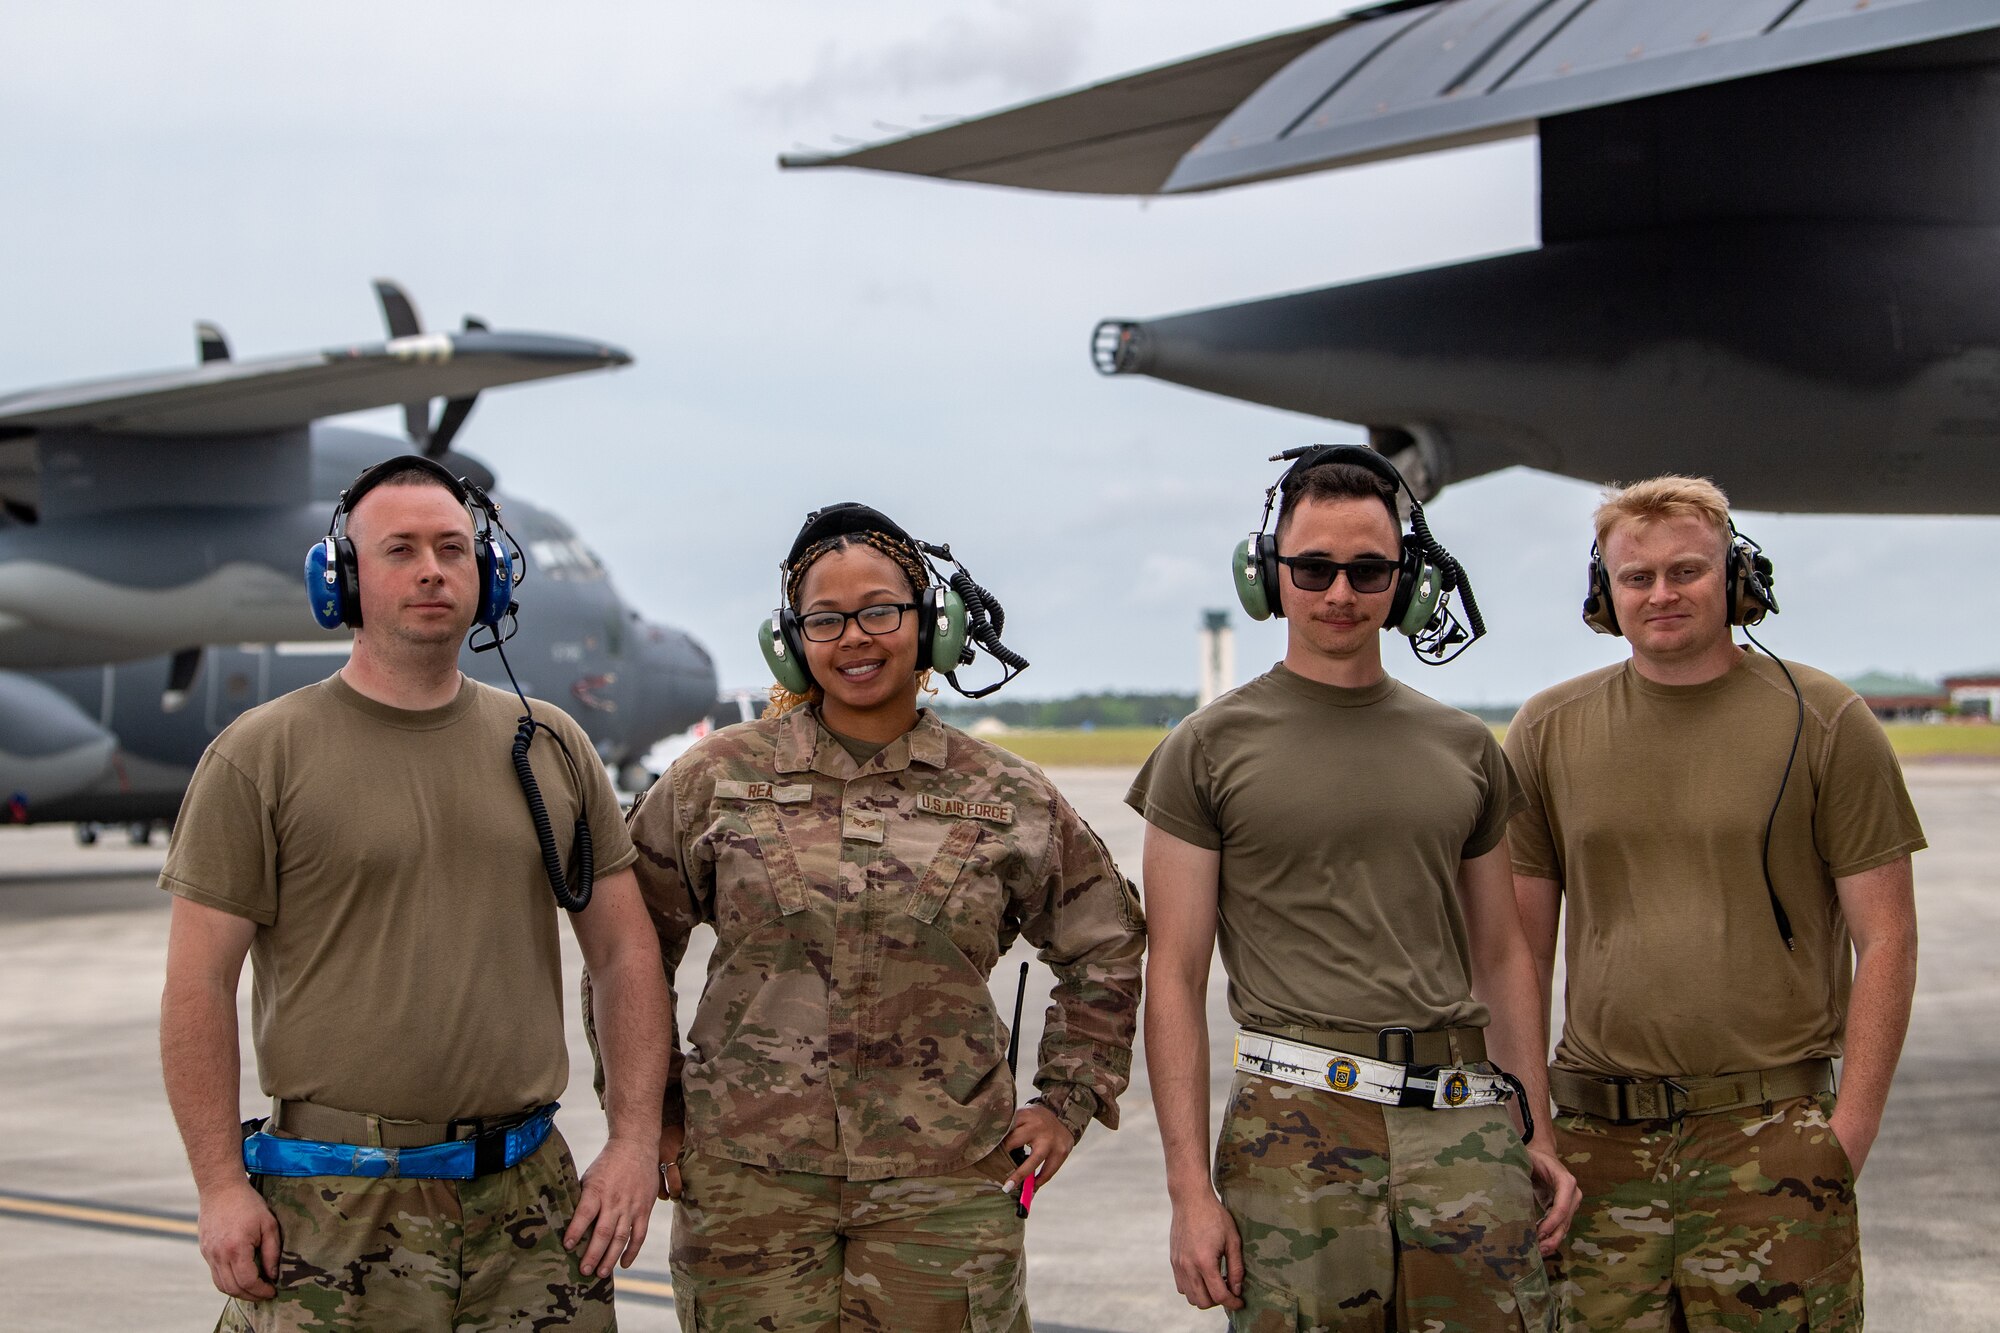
1343 838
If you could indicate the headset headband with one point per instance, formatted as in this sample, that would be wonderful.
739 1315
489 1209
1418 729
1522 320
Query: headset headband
844 520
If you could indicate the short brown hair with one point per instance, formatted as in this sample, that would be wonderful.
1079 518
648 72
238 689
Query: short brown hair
1336 481
1664 497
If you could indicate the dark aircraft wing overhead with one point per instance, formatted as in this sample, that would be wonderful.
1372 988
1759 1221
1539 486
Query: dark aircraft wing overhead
1396 80
222 397
1124 136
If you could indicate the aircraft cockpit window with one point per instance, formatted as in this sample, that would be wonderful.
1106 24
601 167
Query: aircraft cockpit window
566 560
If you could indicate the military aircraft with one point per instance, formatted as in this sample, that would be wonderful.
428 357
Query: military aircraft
1770 237
152 533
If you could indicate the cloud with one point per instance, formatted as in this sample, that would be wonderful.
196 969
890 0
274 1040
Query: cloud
1019 51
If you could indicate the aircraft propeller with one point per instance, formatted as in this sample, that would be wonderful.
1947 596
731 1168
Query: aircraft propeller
400 314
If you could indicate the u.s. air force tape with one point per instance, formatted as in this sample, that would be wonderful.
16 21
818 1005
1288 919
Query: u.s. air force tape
990 811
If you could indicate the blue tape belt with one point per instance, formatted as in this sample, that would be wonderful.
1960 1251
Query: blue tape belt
268 1155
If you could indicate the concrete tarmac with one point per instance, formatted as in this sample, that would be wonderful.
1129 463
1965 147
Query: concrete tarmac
96 1207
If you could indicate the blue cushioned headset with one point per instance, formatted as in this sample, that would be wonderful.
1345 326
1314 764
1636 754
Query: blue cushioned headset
333 581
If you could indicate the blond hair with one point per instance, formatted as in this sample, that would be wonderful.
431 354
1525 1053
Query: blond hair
1664 497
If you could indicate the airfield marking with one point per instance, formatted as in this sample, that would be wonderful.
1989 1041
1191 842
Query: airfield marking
181 1226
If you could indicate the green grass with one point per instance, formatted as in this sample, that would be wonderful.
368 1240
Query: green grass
1918 740
1127 747
1106 747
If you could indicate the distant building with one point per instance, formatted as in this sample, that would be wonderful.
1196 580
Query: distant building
1976 694
1900 698
1216 647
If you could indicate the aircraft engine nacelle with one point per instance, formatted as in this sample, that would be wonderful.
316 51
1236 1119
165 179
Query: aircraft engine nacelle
1783 359
49 749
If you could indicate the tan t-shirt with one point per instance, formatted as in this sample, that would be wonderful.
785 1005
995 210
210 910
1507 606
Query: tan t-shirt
1648 803
1342 816
405 962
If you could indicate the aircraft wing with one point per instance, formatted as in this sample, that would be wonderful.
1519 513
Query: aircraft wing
1395 80
275 393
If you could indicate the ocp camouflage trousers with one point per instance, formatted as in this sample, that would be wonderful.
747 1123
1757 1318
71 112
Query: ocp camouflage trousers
421 1256
1357 1217
759 1250
1731 1222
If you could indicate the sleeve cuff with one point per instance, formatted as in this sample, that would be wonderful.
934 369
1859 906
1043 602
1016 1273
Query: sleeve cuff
1071 1103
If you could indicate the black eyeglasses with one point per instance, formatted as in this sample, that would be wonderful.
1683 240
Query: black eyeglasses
882 618
1316 573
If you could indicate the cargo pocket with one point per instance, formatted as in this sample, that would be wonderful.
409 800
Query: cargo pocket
997 1302
1833 1299
1266 1309
1534 1304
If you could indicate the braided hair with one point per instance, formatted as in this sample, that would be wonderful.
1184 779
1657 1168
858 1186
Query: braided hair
905 557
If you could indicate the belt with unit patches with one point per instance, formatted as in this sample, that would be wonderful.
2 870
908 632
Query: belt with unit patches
1443 1087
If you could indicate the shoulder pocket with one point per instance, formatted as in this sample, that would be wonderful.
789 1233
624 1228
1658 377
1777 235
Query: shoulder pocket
756 873
927 899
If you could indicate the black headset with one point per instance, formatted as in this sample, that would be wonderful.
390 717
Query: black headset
1749 575
333 576
1426 576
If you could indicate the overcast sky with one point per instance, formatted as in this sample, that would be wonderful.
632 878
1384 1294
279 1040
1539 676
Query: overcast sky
607 170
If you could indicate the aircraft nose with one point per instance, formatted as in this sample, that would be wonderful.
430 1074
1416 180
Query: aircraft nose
675 685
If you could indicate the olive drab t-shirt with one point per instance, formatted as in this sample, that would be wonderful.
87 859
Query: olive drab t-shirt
1342 816
1648 804
406 958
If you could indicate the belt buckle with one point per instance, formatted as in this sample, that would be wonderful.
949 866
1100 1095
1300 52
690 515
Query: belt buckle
1409 1056
1676 1098
488 1139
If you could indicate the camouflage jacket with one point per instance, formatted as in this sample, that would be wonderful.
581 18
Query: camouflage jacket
846 1027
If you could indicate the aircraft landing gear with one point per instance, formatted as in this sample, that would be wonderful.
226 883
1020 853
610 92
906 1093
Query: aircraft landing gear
140 832
86 835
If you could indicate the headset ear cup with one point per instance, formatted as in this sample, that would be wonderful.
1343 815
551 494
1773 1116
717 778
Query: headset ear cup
496 584
1407 570
1749 585
784 653
323 590
1420 595
1598 611
944 624
1253 586
348 571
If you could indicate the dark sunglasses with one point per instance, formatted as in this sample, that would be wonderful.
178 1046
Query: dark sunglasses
1316 573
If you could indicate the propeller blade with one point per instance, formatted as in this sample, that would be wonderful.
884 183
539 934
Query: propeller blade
180 679
397 310
211 342
456 410
417 423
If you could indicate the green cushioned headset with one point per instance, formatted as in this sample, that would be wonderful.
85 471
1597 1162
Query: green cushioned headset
942 627
1749 576
1420 585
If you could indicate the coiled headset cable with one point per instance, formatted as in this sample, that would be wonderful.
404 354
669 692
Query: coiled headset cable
985 619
